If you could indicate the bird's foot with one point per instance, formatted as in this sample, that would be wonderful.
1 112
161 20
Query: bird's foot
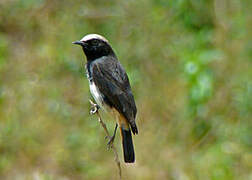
94 107
111 138
111 141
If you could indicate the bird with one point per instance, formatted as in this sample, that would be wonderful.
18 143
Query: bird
110 87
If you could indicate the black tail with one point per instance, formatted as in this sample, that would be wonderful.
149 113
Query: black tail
128 148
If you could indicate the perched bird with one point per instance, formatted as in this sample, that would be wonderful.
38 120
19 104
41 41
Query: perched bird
110 87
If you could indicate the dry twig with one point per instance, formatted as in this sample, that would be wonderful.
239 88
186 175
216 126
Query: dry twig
94 110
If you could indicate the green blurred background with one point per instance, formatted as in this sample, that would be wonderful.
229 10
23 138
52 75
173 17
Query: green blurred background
189 64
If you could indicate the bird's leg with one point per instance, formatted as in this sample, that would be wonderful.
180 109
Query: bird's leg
112 138
94 107
95 111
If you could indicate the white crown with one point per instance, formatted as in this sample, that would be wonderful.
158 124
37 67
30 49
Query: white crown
93 36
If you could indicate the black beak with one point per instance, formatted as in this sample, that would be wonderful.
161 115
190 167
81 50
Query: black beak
78 42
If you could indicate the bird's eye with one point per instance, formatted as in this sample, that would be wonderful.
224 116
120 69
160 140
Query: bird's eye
95 42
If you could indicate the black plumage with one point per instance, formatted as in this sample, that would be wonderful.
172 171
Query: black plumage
113 83
110 87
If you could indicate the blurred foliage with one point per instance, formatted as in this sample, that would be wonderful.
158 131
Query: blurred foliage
189 63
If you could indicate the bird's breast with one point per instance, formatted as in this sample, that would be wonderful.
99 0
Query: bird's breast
96 93
98 96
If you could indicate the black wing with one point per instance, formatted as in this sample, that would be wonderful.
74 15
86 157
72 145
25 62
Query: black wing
112 81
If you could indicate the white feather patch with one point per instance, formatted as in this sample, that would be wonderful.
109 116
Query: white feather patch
93 36
96 93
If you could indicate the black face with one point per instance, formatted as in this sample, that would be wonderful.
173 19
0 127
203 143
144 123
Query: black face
95 48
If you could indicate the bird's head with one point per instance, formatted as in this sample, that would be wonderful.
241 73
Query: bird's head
95 46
